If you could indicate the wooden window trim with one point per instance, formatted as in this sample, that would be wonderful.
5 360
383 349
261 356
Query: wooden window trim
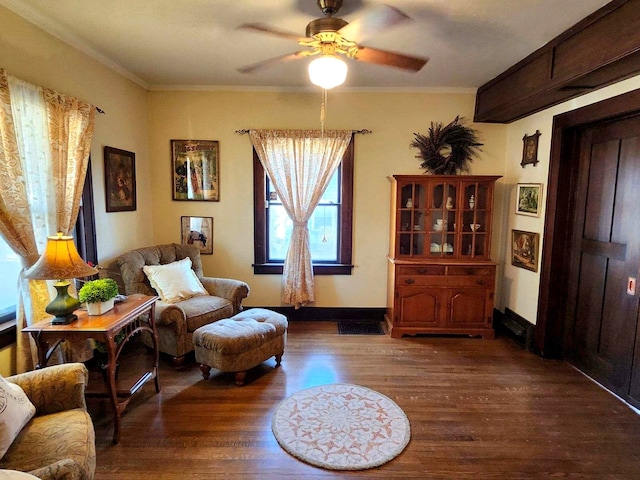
344 265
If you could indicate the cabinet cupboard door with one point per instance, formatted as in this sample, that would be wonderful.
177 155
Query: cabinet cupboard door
468 307
418 307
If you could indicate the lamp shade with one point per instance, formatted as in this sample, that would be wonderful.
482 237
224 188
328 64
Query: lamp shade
60 260
327 71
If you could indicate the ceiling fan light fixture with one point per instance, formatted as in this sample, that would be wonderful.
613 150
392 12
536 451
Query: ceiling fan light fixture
327 71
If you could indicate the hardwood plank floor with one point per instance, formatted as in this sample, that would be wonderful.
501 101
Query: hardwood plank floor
479 409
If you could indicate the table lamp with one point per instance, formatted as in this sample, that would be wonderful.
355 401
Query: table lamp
61 261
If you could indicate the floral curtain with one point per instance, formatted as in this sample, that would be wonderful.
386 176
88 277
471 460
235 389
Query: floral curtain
44 151
299 164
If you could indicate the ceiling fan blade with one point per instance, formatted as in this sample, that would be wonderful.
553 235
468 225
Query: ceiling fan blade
263 28
373 21
382 57
267 63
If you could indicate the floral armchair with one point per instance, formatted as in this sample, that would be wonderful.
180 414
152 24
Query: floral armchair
176 322
58 443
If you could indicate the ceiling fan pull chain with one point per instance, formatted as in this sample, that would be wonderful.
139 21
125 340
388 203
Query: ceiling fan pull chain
323 110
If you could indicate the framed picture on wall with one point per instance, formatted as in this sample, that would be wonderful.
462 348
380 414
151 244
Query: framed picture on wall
524 249
119 180
195 170
530 149
528 198
198 231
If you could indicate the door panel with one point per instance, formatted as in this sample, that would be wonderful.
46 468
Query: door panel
606 252
468 306
418 307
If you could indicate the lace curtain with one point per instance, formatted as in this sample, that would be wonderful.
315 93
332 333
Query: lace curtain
299 164
45 139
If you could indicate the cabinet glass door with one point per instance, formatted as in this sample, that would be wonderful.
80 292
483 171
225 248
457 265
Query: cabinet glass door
442 219
475 218
412 214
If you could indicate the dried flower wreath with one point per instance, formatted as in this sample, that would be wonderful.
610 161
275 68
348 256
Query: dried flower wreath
447 150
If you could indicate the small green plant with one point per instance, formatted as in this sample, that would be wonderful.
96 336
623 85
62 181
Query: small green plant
96 291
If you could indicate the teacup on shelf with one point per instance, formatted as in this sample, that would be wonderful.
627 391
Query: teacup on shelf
474 226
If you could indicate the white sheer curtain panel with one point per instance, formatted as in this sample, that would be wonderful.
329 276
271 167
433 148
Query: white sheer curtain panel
45 139
299 164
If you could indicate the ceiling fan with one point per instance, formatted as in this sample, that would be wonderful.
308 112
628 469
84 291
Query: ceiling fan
329 38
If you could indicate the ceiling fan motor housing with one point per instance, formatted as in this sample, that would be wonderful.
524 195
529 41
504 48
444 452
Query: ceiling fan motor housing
326 24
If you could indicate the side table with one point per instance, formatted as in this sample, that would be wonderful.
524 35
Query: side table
125 317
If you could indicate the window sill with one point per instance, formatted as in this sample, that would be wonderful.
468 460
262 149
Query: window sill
318 269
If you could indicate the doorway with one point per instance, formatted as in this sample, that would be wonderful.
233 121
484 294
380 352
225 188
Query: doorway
592 245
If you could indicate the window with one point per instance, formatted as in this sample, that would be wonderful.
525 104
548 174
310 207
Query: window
330 225
10 263
85 228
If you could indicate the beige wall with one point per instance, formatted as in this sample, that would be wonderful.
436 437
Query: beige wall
214 115
29 53
520 287
35 56
8 360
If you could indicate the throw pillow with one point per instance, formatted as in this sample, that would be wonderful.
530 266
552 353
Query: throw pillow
15 411
175 281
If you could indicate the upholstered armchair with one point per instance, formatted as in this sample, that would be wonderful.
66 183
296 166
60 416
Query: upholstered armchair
176 322
58 443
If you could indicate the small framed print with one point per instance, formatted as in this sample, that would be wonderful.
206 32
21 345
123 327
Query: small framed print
119 180
524 249
528 198
198 231
530 149
195 170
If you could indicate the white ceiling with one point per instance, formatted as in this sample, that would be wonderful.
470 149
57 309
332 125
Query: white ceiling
195 43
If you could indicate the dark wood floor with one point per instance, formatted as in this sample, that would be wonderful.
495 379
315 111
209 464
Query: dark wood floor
479 409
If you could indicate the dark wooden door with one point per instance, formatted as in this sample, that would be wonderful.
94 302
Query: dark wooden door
603 316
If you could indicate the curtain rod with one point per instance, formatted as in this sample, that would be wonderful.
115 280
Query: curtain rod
364 131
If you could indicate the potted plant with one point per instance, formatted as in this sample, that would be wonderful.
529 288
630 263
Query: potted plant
98 295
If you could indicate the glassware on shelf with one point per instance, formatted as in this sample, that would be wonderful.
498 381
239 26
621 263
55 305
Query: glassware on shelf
409 203
449 204
472 201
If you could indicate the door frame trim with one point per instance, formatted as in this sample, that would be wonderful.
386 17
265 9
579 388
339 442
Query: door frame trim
549 338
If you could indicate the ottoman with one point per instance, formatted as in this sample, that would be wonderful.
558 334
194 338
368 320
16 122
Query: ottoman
241 342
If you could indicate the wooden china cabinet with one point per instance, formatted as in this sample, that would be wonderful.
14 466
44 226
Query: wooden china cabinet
441 278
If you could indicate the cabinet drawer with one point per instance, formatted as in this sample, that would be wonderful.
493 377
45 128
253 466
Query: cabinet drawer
444 281
421 270
420 280
473 281
471 270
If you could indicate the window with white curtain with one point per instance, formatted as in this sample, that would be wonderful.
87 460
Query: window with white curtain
330 226
30 114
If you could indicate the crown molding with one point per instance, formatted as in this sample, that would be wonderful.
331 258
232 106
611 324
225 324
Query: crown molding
311 89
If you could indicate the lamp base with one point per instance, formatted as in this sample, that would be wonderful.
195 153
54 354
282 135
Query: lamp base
63 305
64 320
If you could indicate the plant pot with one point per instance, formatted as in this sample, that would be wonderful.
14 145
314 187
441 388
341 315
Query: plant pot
99 308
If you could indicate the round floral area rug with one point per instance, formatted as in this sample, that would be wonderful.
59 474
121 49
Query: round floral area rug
341 427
